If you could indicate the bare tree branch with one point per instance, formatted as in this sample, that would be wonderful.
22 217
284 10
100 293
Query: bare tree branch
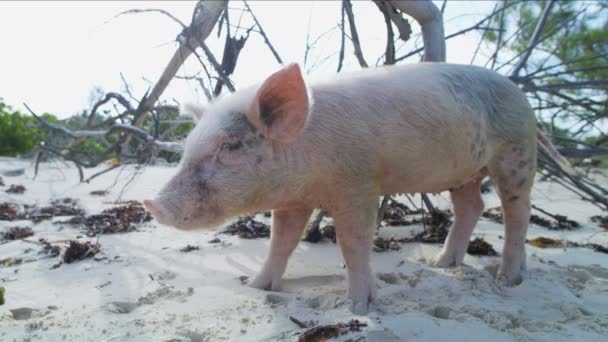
430 19
263 34
149 10
354 35
535 38
342 37
204 18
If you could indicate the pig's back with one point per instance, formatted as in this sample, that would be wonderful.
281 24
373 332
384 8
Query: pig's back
428 125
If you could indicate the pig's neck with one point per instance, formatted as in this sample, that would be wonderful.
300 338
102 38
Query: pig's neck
305 175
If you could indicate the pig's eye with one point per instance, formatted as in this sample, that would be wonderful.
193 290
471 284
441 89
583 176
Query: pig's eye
232 146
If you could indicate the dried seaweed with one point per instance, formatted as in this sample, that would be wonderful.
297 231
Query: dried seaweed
326 332
248 228
189 248
480 247
79 250
16 233
384 245
395 214
8 211
602 221
436 228
15 189
120 219
543 242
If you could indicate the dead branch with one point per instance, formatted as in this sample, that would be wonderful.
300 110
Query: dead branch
386 9
535 38
430 19
150 10
354 35
204 18
476 26
263 34
342 38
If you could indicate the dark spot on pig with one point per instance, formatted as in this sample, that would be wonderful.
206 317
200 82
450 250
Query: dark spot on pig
500 158
259 159
521 182
513 172
455 164
513 198
472 148
522 164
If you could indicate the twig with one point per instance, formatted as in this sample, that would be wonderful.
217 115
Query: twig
298 322
263 34
535 38
149 10
354 35
342 38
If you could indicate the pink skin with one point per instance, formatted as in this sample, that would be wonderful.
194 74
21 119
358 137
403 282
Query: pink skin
339 144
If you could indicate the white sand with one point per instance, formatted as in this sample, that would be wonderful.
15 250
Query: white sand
197 296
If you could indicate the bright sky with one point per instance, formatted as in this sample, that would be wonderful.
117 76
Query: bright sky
55 54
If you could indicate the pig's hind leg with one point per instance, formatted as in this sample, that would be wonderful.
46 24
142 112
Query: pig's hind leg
286 230
513 173
468 207
355 227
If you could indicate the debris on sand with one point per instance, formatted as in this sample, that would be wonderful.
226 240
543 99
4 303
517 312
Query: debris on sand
8 211
481 247
58 207
395 214
1 182
16 233
8 262
436 228
326 332
494 215
543 242
602 221
384 245
248 228
48 248
16 189
2 292
559 222
98 193
328 232
189 248
79 250
119 219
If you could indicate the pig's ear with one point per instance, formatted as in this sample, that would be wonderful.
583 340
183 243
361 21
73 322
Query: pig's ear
281 105
192 110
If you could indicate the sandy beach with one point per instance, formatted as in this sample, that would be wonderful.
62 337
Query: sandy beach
141 286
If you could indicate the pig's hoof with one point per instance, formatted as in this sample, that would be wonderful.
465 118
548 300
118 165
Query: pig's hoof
446 260
263 282
509 278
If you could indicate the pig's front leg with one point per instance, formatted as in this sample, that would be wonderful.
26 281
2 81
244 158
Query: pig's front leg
286 230
355 226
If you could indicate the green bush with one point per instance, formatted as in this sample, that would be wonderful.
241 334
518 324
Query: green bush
19 133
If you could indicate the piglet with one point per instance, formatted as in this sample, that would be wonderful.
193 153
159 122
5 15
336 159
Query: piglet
338 144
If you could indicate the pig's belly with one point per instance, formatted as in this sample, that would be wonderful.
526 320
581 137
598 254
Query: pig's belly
429 175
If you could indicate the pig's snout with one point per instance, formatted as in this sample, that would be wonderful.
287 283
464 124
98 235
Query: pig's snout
159 212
